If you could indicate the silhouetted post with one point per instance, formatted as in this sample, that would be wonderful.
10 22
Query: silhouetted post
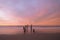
31 28
24 29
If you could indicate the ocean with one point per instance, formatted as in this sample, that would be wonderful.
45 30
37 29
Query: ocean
19 30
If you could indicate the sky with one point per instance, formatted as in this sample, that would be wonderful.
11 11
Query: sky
36 12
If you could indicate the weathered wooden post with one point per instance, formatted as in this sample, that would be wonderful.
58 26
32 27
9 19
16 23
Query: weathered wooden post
25 28
31 28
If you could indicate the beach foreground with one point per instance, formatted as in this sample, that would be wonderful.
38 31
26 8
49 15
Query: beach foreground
32 36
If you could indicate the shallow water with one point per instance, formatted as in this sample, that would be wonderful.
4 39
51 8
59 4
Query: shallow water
16 30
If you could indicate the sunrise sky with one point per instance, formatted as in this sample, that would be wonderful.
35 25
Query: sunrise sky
21 12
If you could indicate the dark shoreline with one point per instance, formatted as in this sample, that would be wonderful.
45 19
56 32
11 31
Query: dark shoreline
33 36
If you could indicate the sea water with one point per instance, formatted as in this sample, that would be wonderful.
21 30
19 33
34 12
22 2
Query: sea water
16 30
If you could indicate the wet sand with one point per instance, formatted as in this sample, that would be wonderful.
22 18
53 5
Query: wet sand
33 36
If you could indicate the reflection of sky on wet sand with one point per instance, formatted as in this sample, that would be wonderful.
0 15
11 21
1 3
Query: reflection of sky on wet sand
16 30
